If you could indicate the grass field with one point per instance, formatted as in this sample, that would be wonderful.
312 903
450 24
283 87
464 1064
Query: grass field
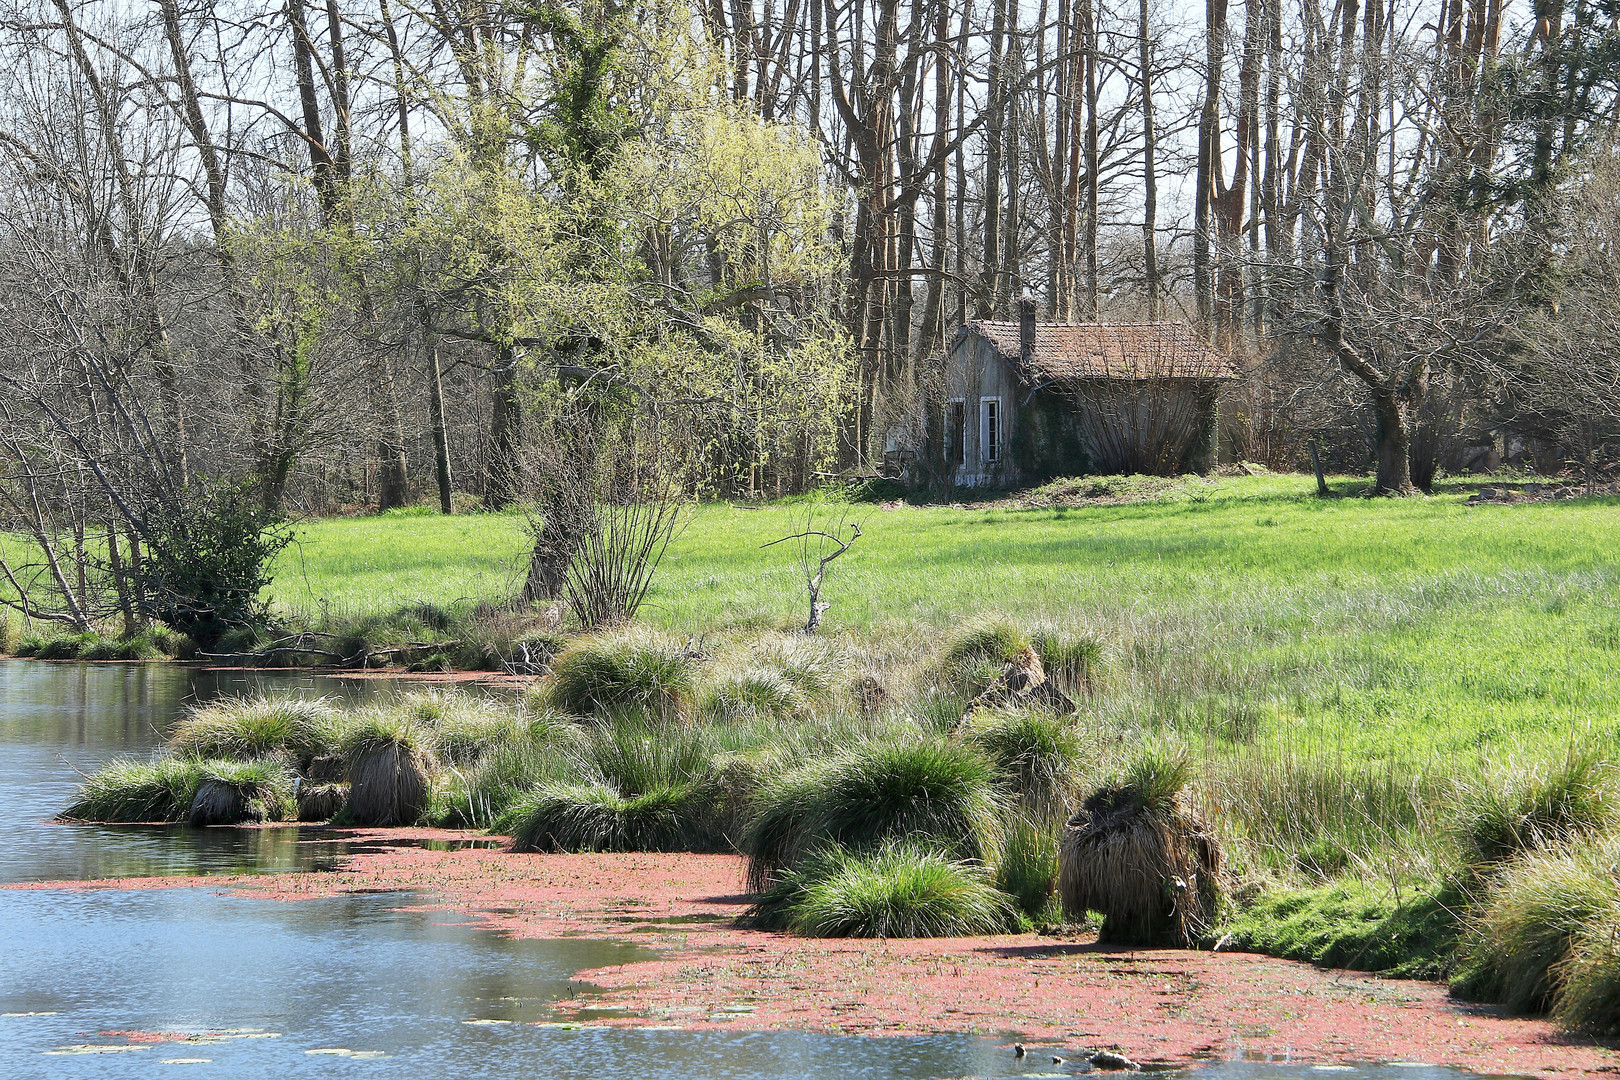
1240 610
1369 692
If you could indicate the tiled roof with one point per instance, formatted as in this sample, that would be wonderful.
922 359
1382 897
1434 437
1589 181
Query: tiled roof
1066 352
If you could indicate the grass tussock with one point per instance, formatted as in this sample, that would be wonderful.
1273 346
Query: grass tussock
242 792
974 658
898 890
621 670
244 728
598 817
1074 660
1027 870
1588 979
389 763
1138 853
1532 804
918 788
1038 757
1534 910
131 790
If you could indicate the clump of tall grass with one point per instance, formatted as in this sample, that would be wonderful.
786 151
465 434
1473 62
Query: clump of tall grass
1037 756
1027 870
129 790
907 787
1139 853
244 728
974 658
753 692
1072 660
1324 815
476 795
1588 979
1529 917
621 669
1531 804
461 727
598 817
234 792
389 761
898 890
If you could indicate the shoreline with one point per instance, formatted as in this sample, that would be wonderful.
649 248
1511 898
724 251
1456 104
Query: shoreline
1156 1006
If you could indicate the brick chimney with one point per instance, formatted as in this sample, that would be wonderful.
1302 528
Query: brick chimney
1026 325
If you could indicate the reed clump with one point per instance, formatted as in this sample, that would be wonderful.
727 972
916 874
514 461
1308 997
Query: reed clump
898 890
620 670
389 762
244 728
915 787
1141 855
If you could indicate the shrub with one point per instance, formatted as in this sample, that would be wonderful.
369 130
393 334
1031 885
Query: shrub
244 728
1524 925
620 670
1036 756
974 659
1138 853
929 790
597 817
895 891
129 790
1534 804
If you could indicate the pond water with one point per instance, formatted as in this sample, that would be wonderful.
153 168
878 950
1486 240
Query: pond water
133 983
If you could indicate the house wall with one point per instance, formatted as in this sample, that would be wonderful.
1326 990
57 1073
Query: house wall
976 373
1043 433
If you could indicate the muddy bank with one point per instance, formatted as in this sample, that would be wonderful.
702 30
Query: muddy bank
1153 1005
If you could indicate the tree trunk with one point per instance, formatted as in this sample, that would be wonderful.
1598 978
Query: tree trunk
505 434
441 440
1391 450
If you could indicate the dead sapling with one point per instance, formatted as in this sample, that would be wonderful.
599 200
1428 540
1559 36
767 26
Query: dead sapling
814 558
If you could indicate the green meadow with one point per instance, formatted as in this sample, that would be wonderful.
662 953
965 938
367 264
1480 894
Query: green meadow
1240 611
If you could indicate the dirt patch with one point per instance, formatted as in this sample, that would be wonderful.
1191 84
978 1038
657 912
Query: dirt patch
1153 1005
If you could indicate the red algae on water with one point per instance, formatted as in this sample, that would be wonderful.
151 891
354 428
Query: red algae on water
1155 1005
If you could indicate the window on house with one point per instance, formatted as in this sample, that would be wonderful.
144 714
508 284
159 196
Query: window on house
956 433
990 429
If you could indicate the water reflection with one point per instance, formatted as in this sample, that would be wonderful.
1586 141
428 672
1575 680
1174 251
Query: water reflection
368 984
60 721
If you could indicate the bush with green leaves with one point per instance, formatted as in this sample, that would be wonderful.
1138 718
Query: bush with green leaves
209 556
896 890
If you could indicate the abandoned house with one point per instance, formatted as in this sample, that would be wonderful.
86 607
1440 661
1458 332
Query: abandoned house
1028 401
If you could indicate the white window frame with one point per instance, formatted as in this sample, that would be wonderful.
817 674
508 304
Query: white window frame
990 447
